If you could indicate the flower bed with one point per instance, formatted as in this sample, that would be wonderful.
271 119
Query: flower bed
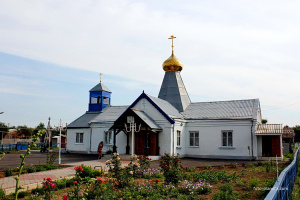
138 181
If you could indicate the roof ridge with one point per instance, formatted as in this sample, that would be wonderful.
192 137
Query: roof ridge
225 101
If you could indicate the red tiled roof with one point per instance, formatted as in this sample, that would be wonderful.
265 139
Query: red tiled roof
269 129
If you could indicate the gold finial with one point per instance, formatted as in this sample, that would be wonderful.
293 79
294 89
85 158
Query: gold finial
172 38
100 77
172 63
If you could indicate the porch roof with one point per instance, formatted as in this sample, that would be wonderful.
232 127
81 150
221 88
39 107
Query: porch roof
269 129
148 120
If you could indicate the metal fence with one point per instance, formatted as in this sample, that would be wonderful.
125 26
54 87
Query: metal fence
18 146
284 185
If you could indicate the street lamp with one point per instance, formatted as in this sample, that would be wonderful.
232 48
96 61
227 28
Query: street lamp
132 129
2 132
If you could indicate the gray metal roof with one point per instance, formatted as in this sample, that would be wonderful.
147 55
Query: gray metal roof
100 87
169 109
173 91
83 121
109 114
236 109
148 120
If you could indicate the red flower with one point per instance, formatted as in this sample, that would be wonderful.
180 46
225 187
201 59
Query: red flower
45 186
65 197
76 168
101 180
80 168
75 182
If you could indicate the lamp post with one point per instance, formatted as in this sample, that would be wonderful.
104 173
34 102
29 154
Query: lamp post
132 128
2 131
59 154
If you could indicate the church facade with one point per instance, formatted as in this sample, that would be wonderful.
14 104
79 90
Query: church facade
171 123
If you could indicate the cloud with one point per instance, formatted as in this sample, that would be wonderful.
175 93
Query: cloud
230 49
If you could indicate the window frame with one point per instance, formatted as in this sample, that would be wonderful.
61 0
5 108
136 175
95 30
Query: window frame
194 139
79 138
178 138
108 137
228 138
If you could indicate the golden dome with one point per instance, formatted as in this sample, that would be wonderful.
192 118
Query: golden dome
172 64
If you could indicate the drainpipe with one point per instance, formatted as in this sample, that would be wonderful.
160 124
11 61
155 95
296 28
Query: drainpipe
91 140
251 139
173 143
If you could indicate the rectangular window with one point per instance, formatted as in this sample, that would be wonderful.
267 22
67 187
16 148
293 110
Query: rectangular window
194 138
105 100
108 137
227 138
79 138
178 138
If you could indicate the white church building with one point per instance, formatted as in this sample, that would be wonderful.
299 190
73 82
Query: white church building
171 123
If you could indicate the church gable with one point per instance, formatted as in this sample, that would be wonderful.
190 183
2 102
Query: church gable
156 108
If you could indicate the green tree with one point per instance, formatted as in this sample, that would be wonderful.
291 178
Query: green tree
3 129
24 130
41 126
264 121
297 133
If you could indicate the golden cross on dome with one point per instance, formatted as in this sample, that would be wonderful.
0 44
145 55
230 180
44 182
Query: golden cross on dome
100 77
172 38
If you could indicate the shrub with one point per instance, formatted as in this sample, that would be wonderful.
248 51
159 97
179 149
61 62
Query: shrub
31 169
8 172
40 168
51 157
243 164
37 191
171 168
2 193
233 165
207 167
134 165
48 186
50 166
253 183
245 195
190 169
122 176
151 173
241 183
87 171
187 187
144 162
225 192
60 183
23 194
243 173
268 166
259 163
269 183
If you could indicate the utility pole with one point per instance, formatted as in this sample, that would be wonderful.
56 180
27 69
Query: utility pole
49 133
59 153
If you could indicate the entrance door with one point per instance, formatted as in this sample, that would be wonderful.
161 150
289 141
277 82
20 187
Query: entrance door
276 146
267 146
139 143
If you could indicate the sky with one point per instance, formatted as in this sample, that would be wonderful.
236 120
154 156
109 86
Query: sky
52 51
